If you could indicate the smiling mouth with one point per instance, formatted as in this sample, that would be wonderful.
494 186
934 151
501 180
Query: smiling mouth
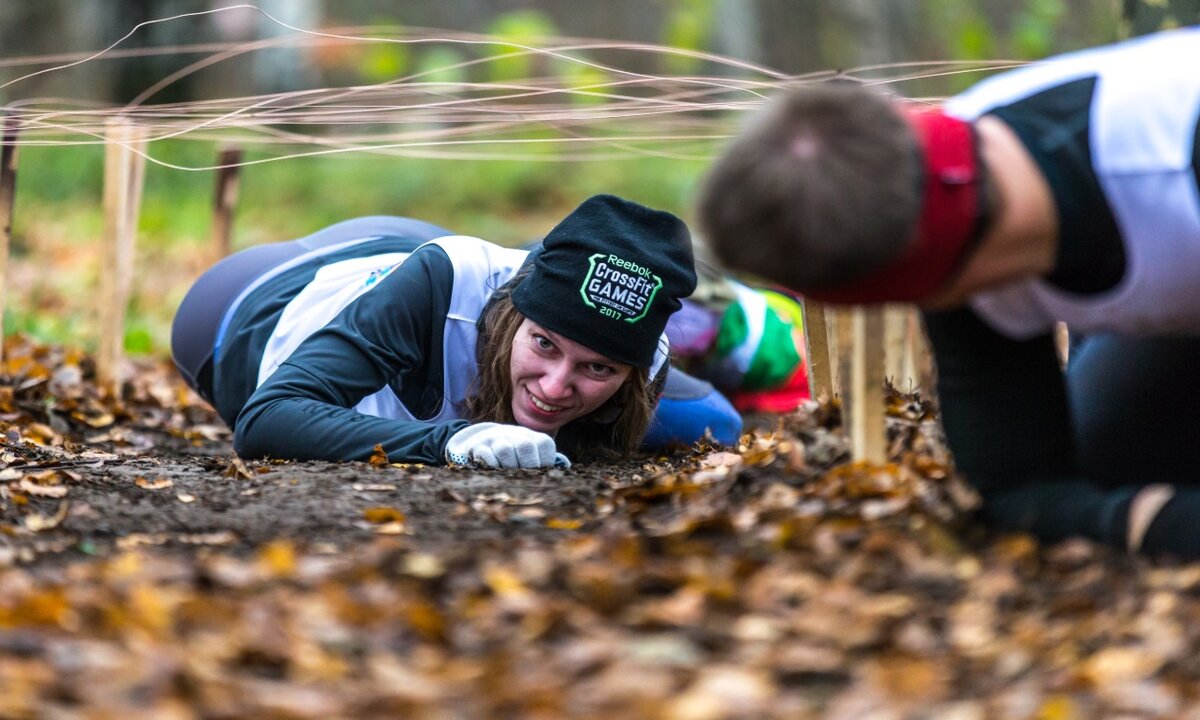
544 407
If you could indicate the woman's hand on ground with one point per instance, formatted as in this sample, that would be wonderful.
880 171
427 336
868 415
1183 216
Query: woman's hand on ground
503 446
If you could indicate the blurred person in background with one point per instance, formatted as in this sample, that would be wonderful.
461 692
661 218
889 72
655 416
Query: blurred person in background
1062 191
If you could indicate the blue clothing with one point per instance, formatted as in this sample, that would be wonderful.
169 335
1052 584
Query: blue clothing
689 409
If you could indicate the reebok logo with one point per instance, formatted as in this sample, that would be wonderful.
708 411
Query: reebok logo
618 288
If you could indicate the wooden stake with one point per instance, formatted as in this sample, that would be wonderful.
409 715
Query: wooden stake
8 193
816 341
923 367
868 429
841 344
225 199
896 346
124 174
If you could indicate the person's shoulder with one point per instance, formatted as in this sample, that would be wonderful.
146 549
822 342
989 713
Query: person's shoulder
475 256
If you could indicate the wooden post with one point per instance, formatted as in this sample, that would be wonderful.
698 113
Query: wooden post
923 368
841 343
816 341
8 193
896 343
868 429
225 199
124 173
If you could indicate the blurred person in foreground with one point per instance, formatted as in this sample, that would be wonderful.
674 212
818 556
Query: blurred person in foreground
441 348
1066 190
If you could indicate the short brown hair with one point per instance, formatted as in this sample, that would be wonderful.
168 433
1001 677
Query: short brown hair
819 190
619 424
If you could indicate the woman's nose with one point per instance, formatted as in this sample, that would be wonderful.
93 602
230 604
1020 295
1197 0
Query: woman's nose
557 381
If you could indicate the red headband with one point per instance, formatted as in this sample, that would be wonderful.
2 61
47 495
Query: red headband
949 212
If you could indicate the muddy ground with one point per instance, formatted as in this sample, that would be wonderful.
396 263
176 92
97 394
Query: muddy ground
145 572
171 493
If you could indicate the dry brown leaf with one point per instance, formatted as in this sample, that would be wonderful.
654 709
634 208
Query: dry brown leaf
50 491
278 558
379 457
237 469
912 678
424 565
96 420
36 522
1112 665
372 487
46 477
426 619
394 527
380 515
155 484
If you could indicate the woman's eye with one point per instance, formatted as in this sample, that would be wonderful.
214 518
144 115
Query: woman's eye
602 370
541 342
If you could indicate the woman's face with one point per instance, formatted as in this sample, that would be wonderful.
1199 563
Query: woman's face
556 380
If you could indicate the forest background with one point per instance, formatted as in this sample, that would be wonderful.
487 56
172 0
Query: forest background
58 215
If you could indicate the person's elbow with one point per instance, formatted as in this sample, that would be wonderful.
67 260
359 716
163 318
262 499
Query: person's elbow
253 437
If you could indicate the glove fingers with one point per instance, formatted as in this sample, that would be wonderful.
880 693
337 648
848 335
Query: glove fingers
545 452
562 461
530 451
483 455
506 454
504 446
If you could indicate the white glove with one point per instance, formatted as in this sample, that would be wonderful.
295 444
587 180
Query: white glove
503 446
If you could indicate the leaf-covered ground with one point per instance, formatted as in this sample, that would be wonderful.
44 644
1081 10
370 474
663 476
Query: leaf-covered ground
147 573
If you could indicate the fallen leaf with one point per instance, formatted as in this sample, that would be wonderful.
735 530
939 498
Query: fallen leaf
46 477
50 491
237 469
372 487
156 484
394 527
380 515
279 558
36 522
378 458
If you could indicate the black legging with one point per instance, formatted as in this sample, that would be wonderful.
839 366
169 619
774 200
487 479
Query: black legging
1135 404
198 320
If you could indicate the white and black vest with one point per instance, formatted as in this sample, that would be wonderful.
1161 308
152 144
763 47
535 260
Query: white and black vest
1143 119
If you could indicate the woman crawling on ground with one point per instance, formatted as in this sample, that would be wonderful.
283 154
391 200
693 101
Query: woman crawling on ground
442 348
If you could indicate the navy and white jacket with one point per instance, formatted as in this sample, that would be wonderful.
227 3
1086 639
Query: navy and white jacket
371 342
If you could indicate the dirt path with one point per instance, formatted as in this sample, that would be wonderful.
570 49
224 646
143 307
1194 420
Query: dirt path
146 573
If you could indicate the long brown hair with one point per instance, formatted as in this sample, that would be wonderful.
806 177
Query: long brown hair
619 424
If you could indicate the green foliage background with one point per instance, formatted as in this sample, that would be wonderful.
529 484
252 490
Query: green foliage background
58 216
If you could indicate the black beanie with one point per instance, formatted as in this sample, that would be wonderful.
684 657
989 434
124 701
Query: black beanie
608 277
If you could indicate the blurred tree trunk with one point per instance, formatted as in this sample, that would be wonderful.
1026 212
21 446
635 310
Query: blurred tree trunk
737 30
1146 16
134 75
792 34
286 68
45 28
883 28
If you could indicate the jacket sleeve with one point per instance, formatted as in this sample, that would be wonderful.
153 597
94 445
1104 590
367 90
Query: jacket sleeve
1007 419
305 410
